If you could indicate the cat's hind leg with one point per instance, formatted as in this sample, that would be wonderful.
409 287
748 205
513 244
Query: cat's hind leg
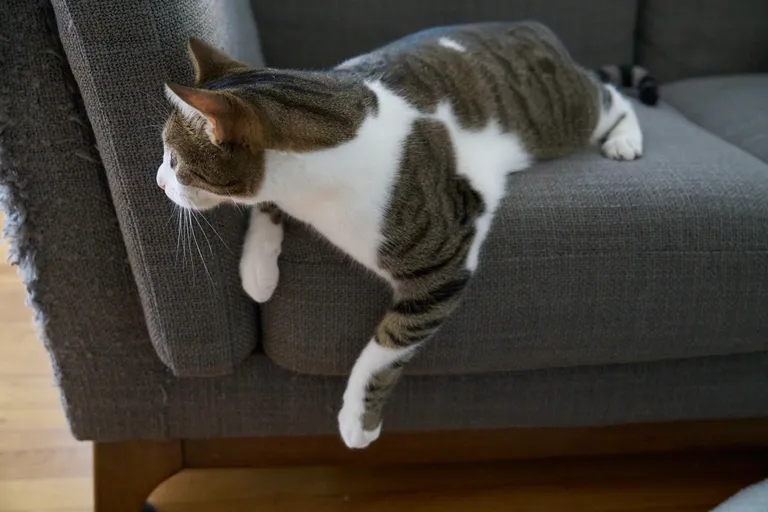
618 130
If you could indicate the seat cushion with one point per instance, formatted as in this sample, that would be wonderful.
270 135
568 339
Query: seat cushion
311 34
589 262
732 107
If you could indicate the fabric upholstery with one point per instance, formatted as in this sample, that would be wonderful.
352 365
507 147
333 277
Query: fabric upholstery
732 107
690 38
199 319
261 399
589 262
311 34
61 224
683 222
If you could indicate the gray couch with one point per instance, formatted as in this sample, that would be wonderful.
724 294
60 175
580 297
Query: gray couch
609 294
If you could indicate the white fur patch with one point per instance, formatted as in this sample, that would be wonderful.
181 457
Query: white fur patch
372 359
450 43
485 157
258 265
343 192
625 139
184 196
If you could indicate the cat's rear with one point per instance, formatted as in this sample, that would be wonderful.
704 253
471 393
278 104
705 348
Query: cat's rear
517 74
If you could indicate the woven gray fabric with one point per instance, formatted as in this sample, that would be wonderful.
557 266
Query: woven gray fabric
690 38
589 262
260 399
200 321
65 236
732 107
61 224
311 34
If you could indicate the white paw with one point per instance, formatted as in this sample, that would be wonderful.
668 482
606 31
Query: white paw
351 426
259 276
623 147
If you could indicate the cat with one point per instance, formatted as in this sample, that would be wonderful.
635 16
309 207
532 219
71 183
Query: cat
399 157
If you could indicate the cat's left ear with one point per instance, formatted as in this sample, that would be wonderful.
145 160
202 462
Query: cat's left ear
216 108
211 63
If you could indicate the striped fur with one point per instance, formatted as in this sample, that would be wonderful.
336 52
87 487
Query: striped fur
399 157
631 77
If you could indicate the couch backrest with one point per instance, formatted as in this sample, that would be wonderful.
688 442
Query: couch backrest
687 38
312 33
674 38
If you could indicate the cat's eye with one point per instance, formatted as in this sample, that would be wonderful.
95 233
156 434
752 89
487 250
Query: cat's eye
173 161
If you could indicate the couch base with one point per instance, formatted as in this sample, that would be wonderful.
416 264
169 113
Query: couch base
125 473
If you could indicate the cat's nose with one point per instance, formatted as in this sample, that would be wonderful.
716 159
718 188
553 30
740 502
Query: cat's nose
161 185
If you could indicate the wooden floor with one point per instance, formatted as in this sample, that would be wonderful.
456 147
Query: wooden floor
628 484
43 469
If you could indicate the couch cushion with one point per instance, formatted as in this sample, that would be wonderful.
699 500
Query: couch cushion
309 34
733 107
590 262
690 38
199 319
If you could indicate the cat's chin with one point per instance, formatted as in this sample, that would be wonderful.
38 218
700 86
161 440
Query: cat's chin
198 205
194 199
202 206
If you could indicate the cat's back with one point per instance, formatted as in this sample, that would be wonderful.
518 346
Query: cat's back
474 40
517 74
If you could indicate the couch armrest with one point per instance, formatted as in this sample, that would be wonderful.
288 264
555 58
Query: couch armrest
121 52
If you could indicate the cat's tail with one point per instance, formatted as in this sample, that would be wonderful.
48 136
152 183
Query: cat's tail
634 77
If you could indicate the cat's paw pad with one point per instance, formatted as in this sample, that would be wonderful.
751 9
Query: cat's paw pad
259 278
623 147
351 427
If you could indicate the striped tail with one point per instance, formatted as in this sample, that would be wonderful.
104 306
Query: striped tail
635 77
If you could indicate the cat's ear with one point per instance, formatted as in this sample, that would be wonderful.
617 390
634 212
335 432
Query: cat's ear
211 63
217 109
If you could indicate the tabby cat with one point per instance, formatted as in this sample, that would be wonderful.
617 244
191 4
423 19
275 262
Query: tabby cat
399 157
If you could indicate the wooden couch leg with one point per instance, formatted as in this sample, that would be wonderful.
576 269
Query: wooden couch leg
124 474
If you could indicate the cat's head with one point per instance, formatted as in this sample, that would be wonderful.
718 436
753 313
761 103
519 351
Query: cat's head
212 141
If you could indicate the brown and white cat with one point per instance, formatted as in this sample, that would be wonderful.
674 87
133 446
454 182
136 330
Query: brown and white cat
399 157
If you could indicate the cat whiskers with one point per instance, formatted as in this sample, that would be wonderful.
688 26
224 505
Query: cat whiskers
195 216
239 207
187 216
177 211
190 216
184 227
215 233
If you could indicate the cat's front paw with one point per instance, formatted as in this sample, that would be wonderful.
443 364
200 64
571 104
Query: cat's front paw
623 147
351 426
259 277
